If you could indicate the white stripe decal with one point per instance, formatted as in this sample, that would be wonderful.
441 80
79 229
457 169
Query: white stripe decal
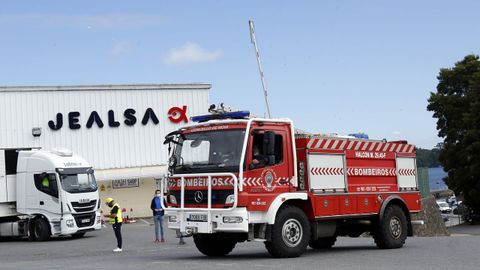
398 148
385 147
349 146
365 145
310 142
326 144
379 147
410 149
342 146
335 144
358 145
391 148
318 143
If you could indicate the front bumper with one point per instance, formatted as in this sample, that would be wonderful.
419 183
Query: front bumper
71 224
235 220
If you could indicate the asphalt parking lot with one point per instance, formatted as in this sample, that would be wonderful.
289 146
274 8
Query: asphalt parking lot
94 251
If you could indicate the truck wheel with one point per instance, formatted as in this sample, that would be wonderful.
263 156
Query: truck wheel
213 245
40 230
391 230
78 235
323 242
290 233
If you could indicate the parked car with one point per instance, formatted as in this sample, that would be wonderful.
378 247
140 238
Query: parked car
444 207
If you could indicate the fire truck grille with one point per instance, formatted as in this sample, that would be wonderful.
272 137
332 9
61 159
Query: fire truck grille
84 220
84 207
194 197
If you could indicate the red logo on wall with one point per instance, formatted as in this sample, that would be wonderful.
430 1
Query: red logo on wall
177 114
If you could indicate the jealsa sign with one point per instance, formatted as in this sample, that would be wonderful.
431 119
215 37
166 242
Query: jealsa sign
174 114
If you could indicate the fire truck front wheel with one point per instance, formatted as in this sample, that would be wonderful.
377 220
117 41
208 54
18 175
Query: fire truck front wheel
213 245
290 233
391 230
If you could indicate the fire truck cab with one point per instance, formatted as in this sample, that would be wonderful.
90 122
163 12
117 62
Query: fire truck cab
234 178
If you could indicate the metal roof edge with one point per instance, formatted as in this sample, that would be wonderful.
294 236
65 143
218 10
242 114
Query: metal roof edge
108 87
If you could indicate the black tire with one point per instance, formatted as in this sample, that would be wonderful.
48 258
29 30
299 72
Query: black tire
78 235
213 245
40 230
391 231
290 233
323 242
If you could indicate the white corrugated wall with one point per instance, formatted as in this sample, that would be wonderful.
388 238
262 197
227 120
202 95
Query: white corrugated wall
21 109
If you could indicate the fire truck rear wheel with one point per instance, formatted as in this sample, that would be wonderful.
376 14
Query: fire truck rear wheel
213 245
290 233
323 242
391 230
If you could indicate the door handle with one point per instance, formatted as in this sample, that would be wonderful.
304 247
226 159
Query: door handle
42 203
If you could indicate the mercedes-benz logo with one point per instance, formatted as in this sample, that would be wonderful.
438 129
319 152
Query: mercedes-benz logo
198 196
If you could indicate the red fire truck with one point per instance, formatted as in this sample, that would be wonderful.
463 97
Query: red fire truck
234 178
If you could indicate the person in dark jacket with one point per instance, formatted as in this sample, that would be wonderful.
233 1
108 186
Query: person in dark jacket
158 212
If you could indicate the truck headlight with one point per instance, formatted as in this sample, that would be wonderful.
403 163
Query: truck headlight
172 219
230 199
70 223
99 219
172 199
232 219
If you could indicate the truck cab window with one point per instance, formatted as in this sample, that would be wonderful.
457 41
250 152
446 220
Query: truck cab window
265 153
47 183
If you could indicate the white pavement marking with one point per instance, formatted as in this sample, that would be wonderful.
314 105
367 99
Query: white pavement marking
145 221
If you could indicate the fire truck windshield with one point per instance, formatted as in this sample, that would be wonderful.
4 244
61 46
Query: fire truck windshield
209 151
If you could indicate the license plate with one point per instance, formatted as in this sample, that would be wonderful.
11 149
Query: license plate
85 220
197 217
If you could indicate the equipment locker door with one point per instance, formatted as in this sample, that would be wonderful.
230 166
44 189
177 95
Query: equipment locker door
326 171
406 173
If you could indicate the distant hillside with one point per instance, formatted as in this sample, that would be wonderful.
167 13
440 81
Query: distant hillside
428 158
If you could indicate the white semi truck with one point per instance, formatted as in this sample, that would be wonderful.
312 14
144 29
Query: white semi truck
46 193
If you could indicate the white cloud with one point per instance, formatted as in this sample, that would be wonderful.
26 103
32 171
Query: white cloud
121 48
396 132
191 53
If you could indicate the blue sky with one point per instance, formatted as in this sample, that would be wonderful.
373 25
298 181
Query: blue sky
331 66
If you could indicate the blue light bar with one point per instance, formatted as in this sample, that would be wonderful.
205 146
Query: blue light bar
359 135
217 116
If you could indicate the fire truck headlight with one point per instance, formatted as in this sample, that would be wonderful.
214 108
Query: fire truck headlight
172 219
230 199
172 199
232 219
70 223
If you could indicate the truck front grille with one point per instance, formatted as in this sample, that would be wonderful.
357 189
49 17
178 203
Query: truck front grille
191 196
84 207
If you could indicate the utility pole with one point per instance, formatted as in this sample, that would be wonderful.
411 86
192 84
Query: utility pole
262 77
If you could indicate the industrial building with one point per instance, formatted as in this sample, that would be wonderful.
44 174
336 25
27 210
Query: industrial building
119 129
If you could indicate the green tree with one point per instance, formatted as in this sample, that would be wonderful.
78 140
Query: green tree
428 158
456 105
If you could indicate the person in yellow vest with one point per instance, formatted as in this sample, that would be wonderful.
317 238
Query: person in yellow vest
115 218
45 182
